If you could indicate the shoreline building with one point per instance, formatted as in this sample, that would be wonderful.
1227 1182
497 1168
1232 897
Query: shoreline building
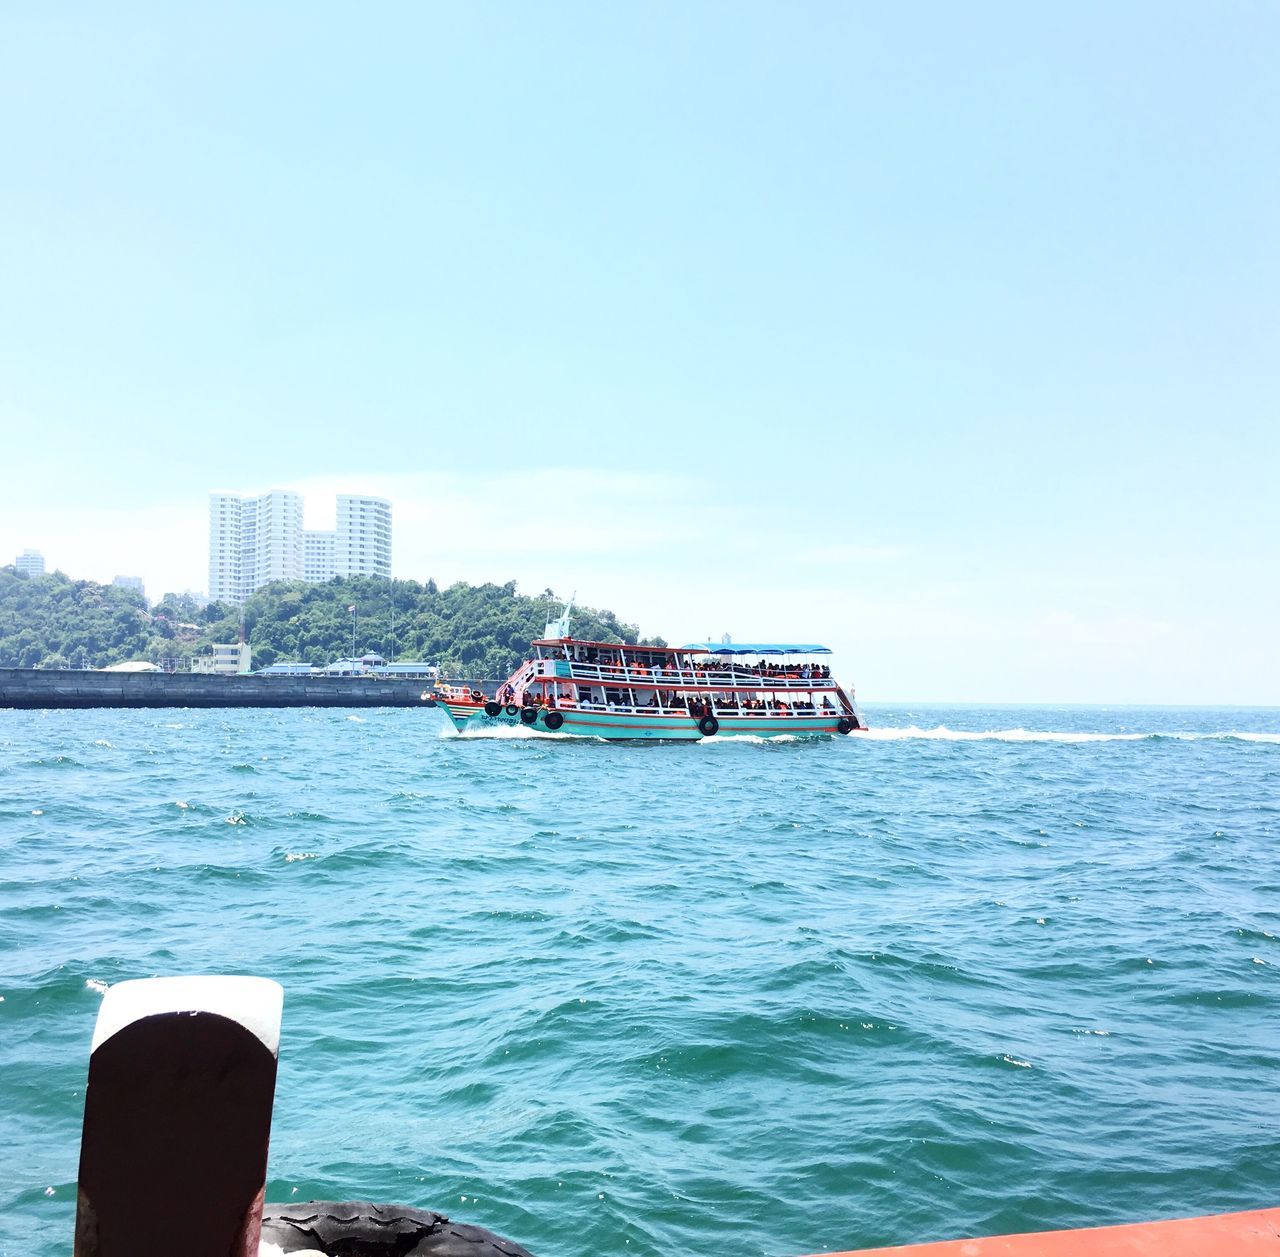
255 540
227 659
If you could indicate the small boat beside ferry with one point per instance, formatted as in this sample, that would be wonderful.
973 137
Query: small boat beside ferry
682 693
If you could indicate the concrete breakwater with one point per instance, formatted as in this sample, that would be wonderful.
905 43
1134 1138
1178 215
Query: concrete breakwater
37 688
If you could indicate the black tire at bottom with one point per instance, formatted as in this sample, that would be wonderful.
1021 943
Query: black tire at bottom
553 720
491 708
709 726
528 714
336 1228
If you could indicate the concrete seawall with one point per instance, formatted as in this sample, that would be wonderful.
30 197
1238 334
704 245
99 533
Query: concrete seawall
35 688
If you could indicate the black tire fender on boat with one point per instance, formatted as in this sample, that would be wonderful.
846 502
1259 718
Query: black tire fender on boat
491 708
845 725
709 726
554 720
327 1227
528 714
512 710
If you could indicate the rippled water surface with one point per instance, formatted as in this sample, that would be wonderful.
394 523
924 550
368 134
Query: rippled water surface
977 971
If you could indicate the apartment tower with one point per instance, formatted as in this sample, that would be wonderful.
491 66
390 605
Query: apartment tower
362 543
256 540
253 541
30 563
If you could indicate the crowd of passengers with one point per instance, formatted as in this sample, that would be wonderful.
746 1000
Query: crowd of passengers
664 665
764 668
699 708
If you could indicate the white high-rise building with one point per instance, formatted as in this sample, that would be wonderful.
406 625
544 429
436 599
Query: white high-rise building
317 557
256 540
30 563
253 541
226 580
362 544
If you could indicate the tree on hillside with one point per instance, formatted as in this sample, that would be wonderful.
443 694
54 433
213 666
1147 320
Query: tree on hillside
479 630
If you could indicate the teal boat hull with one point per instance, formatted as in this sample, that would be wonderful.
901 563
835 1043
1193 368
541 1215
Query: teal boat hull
631 726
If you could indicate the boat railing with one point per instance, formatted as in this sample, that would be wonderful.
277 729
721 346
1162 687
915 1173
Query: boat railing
678 678
720 709
625 709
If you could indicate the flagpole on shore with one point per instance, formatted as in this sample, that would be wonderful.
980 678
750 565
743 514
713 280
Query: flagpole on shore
352 609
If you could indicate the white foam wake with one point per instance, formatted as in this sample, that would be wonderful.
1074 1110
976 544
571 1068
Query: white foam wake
499 733
910 733
942 734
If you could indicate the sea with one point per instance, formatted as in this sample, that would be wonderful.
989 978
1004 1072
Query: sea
977 970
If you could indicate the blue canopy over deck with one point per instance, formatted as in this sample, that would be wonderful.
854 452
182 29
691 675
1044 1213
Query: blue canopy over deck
753 648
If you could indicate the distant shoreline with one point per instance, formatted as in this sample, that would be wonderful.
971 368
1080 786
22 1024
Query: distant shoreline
31 689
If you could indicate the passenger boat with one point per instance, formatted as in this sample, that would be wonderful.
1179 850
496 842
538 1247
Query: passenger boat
607 690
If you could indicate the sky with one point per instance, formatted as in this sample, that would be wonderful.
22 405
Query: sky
946 334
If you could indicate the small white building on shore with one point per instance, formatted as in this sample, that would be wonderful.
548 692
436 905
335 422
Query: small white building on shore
228 659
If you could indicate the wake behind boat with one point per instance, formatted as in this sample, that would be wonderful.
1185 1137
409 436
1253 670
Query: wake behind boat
616 691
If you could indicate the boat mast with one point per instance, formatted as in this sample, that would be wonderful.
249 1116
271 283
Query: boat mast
560 627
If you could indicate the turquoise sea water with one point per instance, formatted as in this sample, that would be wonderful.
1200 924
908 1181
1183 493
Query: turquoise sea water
977 971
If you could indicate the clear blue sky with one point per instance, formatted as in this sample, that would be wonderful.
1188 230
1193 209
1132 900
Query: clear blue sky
949 333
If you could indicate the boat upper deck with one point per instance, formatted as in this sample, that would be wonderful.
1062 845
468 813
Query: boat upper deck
677 678
685 668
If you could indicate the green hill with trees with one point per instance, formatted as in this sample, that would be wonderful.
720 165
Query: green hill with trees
474 630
